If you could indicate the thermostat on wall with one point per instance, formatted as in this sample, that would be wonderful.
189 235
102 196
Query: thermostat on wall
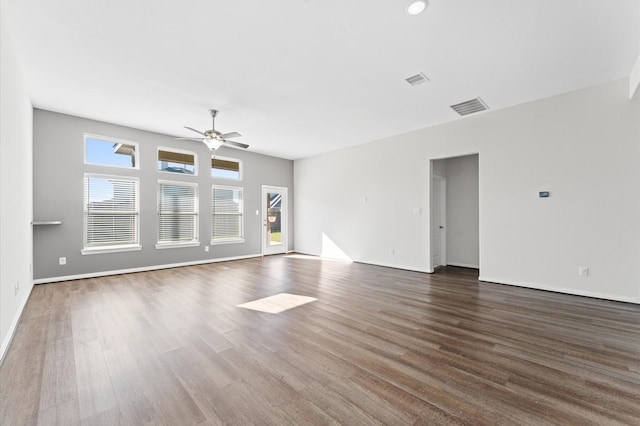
543 194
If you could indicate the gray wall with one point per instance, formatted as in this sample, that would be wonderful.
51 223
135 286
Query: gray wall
58 195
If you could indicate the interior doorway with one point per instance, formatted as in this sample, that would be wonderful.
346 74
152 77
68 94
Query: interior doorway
455 212
274 220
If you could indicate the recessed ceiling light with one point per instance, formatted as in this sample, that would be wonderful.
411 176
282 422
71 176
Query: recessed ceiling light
416 7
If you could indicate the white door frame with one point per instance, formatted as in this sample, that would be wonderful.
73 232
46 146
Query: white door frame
284 220
441 226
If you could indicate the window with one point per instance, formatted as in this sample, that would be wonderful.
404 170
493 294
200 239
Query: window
110 152
110 213
226 168
226 221
176 161
177 214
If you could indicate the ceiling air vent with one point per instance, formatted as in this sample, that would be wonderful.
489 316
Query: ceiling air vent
414 80
470 107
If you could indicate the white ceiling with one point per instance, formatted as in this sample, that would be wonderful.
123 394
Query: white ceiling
302 77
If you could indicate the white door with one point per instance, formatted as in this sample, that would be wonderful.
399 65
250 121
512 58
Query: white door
438 221
274 220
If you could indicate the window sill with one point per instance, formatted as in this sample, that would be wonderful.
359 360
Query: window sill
227 178
178 173
227 241
161 246
110 249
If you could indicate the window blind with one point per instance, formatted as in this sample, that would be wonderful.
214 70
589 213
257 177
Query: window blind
227 208
221 164
176 162
176 157
177 212
225 168
110 211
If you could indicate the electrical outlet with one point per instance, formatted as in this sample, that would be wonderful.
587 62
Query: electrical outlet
62 261
583 271
206 248
17 289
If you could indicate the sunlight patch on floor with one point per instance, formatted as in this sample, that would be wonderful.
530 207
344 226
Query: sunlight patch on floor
278 303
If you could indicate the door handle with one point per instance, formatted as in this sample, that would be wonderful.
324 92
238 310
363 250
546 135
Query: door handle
441 227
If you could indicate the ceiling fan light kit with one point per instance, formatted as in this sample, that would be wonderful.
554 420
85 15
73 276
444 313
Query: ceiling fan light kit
417 7
213 138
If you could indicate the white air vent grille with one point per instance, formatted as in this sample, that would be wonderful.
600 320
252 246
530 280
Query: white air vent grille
470 107
414 80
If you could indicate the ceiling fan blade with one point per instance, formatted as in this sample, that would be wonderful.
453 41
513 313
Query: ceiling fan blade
238 144
194 130
230 135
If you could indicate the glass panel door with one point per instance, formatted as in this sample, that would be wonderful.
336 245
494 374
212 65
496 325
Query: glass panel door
274 220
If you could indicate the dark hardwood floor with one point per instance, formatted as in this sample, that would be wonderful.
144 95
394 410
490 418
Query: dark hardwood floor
380 346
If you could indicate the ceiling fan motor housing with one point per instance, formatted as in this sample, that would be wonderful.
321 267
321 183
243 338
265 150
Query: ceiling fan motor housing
213 138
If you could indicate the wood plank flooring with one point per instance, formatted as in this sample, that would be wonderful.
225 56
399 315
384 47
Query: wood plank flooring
380 346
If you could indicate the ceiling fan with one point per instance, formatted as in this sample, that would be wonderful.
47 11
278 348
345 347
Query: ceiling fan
213 138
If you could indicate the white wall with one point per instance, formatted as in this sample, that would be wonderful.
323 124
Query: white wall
15 189
583 147
634 80
463 221
634 77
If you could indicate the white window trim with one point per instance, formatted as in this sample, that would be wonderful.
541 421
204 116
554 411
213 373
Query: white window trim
179 151
115 248
228 240
240 171
114 140
111 249
168 245
241 239
178 244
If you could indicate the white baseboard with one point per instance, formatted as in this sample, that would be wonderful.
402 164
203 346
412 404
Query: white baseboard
303 253
395 266
403 267
564 290
463 265
140 269
14 325
385 265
